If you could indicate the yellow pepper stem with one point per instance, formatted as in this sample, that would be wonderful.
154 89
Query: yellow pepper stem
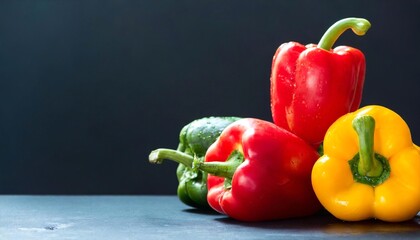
367 166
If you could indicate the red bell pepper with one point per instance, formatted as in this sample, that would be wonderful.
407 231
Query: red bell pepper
313 85
259 171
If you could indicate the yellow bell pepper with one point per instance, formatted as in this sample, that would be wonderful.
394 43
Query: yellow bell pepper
370 168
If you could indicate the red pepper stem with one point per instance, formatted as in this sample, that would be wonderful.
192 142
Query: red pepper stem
157 156
368 164
220 169
358 25
224 169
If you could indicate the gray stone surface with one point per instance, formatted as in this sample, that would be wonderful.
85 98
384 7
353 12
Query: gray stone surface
165 217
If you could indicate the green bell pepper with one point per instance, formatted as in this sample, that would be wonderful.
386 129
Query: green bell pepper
194 140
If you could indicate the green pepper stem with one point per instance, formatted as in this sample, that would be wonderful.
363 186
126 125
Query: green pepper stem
222 169
368 164
358 25
157 156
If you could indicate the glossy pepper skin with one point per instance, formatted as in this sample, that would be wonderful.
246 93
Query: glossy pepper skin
370 167
313 85
259 171
194 140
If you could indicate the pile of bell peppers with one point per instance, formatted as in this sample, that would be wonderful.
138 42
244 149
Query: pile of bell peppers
256 170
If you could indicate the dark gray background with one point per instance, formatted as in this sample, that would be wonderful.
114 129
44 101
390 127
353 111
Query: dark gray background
89 88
